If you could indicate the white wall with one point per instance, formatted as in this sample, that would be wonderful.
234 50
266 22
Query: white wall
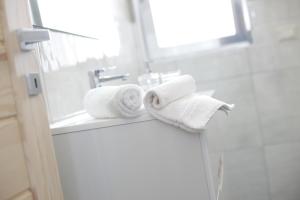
261 137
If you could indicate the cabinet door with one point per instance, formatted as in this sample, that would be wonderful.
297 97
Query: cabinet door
147 160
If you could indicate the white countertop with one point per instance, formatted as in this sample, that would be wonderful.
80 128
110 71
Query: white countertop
84 121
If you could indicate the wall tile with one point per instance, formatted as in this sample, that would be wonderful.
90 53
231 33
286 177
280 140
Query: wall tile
257 12
283 164
234 62
266 11
262 34
277 95
289 54
263 57
281 129
167 65
221 64
234 131
276 10
244 175
293 8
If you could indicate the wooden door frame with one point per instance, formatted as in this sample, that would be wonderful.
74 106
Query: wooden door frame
31 111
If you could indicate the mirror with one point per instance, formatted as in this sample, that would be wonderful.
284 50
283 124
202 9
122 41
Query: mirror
88 18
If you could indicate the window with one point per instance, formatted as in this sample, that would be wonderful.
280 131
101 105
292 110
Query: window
176 27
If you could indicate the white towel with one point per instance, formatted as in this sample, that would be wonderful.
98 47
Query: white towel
170 91
114 101
176 103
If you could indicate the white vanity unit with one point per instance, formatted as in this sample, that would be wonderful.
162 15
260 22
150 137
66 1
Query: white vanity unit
131 159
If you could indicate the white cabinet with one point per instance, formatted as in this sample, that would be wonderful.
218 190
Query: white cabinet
145 160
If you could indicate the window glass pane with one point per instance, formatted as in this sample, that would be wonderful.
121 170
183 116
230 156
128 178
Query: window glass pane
90 18
180 22
75 16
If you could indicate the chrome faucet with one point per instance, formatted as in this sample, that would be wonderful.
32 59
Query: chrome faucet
96 77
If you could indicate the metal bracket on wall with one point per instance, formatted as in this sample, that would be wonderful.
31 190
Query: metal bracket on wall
28 38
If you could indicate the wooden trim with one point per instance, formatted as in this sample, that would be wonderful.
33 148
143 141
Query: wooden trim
3 56
27 195
7 102
13 171
31 111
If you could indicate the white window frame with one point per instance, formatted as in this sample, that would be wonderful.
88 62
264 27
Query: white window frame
154 52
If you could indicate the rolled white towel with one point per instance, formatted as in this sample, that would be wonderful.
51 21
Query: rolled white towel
114 101
176 103
169 92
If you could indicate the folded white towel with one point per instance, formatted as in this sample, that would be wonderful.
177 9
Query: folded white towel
182 108
114 101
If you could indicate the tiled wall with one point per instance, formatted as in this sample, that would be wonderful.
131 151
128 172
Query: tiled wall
261 137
